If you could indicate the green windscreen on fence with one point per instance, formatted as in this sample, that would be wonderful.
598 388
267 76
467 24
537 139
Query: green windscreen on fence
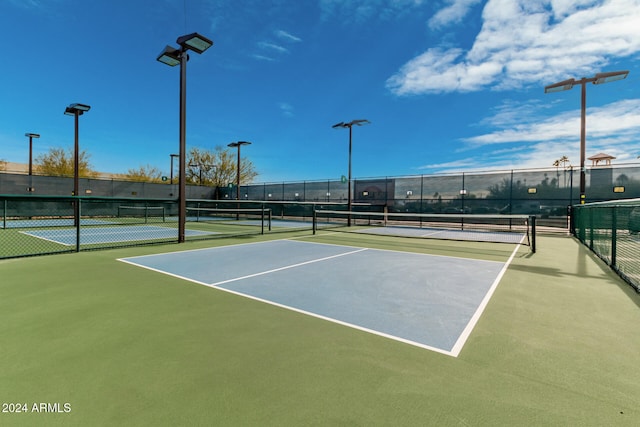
612 231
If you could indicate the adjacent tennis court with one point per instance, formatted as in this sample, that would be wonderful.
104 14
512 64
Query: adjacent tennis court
58 222
424 300
97 235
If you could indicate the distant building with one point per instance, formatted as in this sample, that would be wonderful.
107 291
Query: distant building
601 157
601 182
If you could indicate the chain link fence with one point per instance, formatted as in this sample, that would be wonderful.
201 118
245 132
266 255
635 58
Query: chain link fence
39 215
612 231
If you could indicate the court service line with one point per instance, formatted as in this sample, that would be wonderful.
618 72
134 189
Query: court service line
286 267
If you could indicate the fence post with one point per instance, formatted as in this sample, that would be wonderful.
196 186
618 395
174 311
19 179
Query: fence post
78 216
614 228
590 213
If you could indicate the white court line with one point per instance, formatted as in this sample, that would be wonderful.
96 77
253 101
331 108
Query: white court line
215 285
333 320
47 239
462 339
286 267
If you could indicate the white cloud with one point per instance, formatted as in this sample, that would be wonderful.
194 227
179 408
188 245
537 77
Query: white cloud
621 118
262 57
527 41
286 109
452 14
273 47
537 142
287 36
363 10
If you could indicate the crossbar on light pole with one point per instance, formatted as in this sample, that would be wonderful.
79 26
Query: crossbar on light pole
599 78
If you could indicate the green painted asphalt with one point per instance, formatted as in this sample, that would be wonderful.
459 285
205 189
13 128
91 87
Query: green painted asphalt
557 345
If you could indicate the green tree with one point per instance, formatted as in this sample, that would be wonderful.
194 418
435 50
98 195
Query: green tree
146 173
218 167
58 162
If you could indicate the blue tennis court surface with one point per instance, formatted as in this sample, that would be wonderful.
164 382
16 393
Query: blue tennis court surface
425 300
65 222
94 235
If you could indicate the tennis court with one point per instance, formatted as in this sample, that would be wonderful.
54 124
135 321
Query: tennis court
112 234
37 223
327 329
434 303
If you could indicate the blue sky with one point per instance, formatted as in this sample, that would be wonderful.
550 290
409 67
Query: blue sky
448 85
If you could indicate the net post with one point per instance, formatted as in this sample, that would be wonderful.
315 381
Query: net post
532 222
4 214
315 220
269 213
261 221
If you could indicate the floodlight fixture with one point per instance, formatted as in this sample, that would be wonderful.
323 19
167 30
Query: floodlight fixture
560 86
599 78
76 109
613 76
170 56
195 42
358 122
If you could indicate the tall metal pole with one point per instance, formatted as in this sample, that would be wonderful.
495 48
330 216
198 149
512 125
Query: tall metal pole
349 181
350 126
171 173
583 131
599 78
76 159
76 180
172 57
238 175
30 156
182 176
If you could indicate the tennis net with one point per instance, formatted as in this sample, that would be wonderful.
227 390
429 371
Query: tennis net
148 213
250 217
518 229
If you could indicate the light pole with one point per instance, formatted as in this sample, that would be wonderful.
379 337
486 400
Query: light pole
171 174
201 166
31 136
350 125
76 110
238 145
599 78
173 57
